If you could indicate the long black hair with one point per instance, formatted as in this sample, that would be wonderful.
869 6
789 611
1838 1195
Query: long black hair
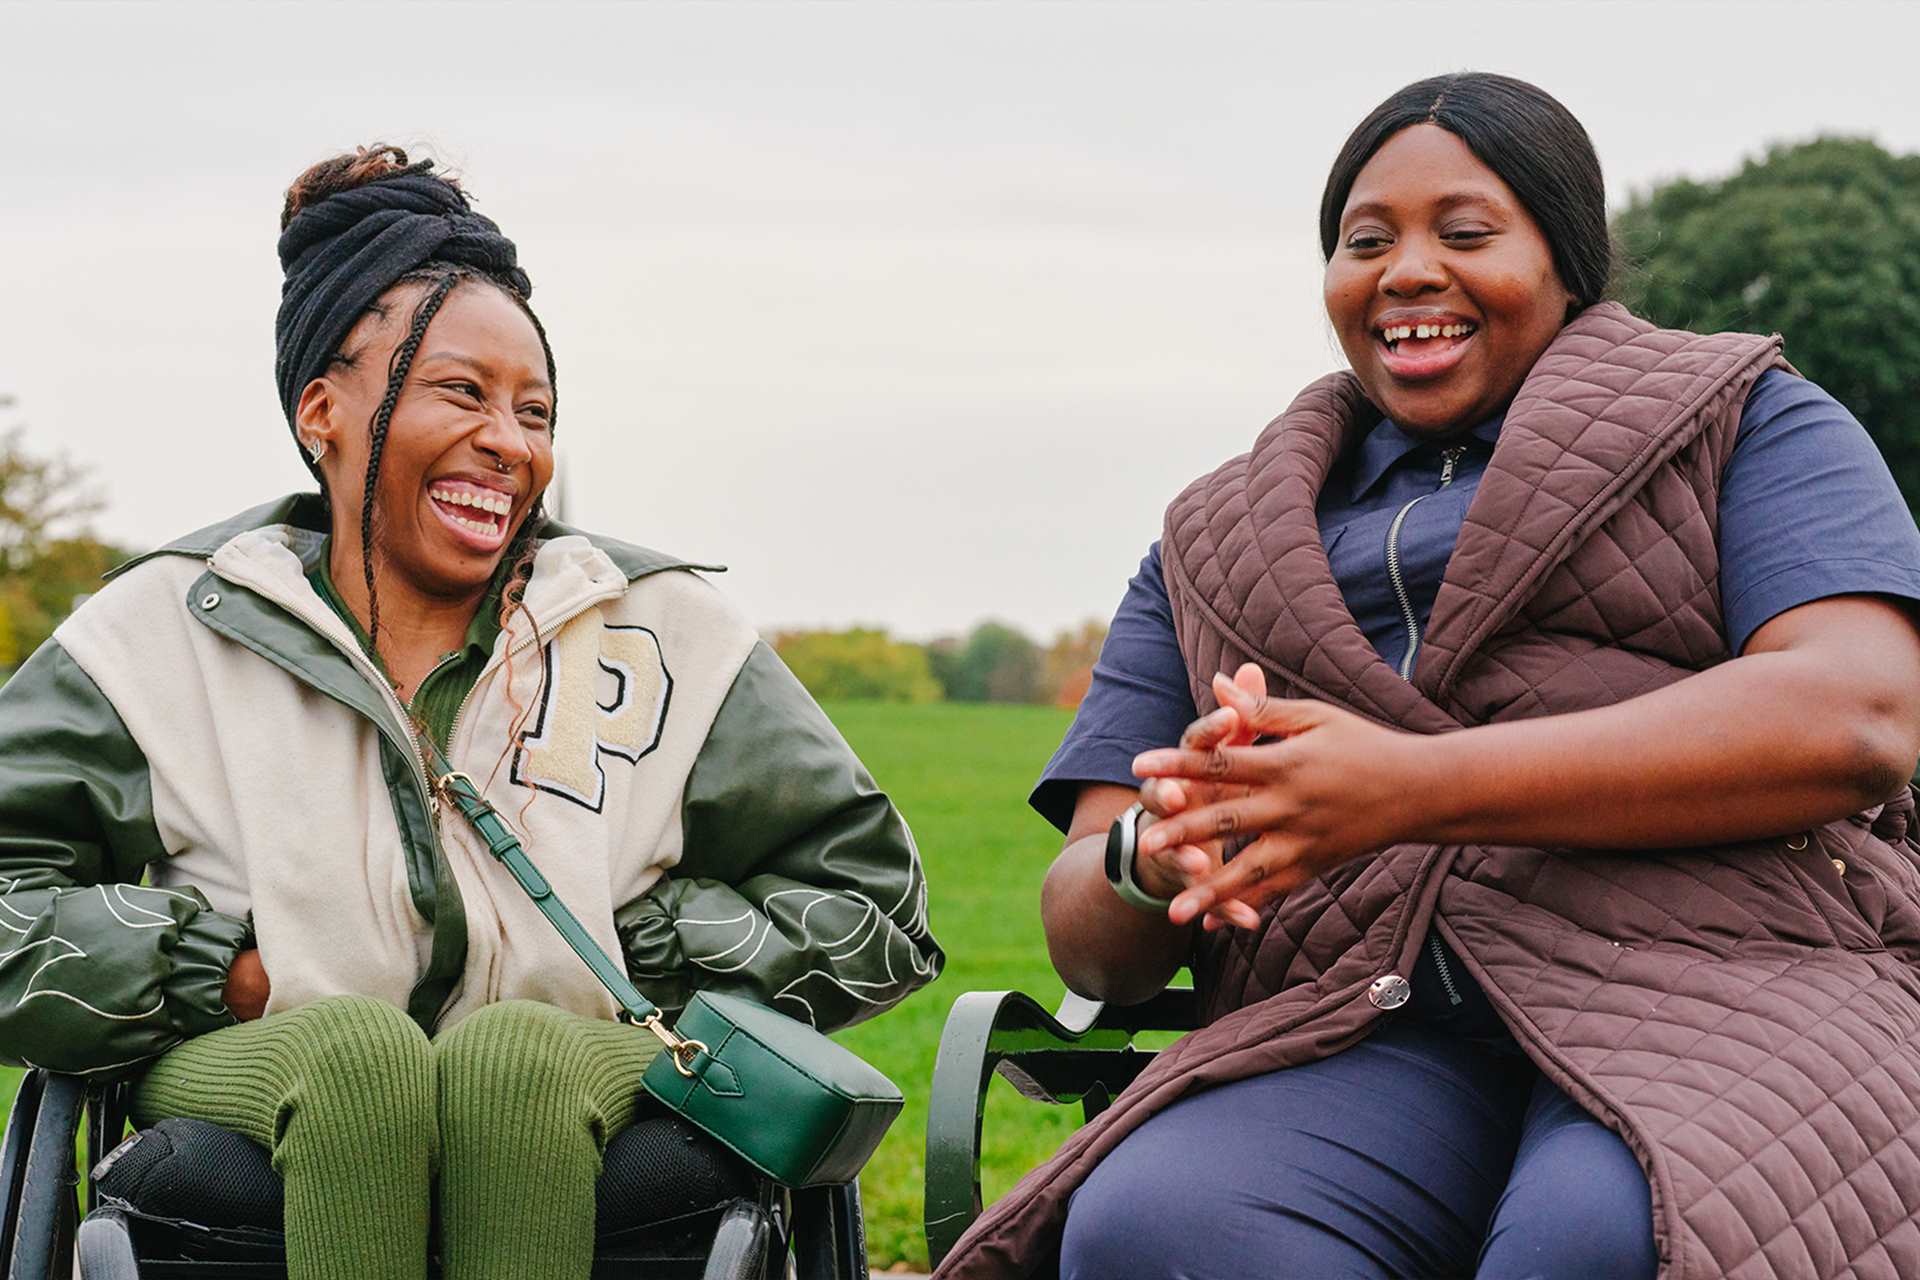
1523 134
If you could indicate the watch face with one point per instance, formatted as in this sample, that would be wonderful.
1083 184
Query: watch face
1119 838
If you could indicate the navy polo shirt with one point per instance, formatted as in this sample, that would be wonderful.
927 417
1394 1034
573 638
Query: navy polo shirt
1808 510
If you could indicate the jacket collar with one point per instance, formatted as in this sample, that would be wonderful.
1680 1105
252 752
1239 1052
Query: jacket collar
303 517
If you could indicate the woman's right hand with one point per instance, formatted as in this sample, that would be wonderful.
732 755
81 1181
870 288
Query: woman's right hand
247 986
1170 871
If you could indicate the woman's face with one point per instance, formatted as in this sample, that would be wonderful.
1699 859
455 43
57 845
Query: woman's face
1431 237
469 447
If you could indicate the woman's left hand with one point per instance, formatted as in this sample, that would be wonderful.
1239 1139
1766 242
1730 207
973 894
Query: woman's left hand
1331 788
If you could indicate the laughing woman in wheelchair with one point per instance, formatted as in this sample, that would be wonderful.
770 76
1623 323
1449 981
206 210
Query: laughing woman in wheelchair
223 871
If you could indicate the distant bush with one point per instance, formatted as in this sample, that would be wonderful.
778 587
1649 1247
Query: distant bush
995 663
863 662
1070 660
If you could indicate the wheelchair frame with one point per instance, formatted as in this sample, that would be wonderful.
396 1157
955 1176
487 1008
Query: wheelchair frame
812 1234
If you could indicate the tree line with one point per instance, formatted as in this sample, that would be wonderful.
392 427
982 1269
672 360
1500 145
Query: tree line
49 557
994 662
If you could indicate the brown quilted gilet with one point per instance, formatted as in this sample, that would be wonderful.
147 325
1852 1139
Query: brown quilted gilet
1748 1017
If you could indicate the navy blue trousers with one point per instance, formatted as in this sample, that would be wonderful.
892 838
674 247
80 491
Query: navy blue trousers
1418 1152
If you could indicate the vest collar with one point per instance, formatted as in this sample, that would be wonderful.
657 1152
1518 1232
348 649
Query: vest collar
1612 399
1576 444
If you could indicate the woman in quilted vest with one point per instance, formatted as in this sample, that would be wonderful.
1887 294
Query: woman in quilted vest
1545 691
224 871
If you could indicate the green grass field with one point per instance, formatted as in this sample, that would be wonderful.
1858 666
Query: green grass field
960 773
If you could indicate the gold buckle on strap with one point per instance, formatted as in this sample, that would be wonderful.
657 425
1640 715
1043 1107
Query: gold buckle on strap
444 785
684 1051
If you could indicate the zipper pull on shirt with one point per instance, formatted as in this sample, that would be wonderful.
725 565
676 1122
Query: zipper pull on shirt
1449 461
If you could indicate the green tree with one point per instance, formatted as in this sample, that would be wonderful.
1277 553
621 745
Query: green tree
863 662
1818 241
48 557
995 663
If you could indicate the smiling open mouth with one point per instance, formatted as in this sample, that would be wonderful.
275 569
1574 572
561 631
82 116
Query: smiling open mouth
1423 337
477 511
1420 351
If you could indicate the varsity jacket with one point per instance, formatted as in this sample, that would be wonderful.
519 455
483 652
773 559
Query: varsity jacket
202 759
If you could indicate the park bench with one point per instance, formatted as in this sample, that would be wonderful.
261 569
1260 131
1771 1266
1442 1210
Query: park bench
1084 1052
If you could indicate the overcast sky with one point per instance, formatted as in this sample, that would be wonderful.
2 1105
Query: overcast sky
914 314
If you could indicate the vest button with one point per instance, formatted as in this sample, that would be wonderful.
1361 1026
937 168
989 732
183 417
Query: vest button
1840 866
1390 991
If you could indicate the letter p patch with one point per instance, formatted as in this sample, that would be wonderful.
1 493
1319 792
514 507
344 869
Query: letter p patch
605 694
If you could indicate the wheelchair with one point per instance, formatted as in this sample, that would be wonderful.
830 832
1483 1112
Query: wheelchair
1085 1052
191 1199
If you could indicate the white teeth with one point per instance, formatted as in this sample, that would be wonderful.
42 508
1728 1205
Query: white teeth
1401 332
494 503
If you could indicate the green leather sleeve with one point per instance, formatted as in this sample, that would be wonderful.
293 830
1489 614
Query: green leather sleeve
799 885
97 972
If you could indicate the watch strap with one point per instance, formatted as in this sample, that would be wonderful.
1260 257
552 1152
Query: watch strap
1123 883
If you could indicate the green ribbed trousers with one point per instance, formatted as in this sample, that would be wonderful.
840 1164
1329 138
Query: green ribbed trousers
500 1121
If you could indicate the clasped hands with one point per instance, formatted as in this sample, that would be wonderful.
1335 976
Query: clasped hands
1301 786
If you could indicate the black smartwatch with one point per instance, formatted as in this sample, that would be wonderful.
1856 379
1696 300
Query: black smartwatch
1123 842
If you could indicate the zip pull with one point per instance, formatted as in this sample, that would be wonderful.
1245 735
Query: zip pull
1448 461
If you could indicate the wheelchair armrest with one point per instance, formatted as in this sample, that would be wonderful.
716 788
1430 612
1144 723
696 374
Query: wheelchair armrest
1082 1053
39 1175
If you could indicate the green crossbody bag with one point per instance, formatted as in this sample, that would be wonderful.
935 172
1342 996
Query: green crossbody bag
785 1098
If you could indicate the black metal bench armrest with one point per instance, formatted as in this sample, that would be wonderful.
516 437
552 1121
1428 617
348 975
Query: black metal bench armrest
39 1175
1082 1053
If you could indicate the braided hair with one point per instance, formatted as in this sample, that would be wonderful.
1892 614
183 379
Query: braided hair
439 279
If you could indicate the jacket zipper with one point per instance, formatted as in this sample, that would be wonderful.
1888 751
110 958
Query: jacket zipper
1440 963
1448 461
546 629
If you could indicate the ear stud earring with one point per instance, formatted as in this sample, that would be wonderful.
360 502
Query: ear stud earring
317 450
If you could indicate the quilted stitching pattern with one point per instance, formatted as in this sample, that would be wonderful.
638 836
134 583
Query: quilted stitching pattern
1748 1018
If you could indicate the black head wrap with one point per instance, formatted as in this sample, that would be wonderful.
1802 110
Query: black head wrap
340 254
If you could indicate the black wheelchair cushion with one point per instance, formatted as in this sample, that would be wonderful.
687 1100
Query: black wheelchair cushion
662 1167
191 1172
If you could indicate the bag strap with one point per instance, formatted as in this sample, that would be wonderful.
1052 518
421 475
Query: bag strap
463 795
